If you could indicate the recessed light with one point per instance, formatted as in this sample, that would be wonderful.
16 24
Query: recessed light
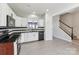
28 6
34 12
47 9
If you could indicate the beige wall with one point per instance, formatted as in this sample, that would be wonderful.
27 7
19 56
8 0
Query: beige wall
72 19
57 32
75 23
67 18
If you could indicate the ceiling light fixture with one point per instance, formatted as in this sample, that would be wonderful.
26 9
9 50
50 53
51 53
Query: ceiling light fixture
33 15
47 10
28 6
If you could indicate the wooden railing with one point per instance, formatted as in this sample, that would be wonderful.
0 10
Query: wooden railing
65 30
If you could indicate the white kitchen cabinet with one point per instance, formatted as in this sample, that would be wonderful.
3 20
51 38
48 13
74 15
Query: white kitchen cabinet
32 36
27 37
22 38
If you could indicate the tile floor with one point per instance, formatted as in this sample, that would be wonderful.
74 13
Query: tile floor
52 47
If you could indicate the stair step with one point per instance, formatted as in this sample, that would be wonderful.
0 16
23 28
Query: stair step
75 41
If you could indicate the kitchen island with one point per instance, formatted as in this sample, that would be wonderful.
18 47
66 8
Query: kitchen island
9 42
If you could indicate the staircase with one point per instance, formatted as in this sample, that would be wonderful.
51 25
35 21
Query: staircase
66 28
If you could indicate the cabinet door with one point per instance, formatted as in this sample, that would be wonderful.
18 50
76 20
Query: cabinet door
27 37
22 38
33 36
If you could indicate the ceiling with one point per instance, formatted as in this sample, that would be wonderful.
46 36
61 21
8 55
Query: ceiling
24 9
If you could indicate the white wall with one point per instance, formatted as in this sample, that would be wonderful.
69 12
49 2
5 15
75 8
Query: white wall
20 22
48 26
41 23
75 23
57 32
4 10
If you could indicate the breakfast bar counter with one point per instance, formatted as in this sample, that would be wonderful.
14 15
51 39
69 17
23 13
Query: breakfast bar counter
7 43
9 38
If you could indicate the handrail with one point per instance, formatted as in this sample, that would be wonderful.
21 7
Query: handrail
65 31
68 27
65 24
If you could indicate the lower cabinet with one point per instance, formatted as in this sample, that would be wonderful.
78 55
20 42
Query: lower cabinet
6 48
22 38
32 36
27 37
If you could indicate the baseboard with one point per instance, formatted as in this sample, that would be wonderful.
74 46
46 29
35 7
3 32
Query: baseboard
28 42
62 39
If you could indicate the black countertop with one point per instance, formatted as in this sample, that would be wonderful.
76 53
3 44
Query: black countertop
16 31
4 27
9 38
